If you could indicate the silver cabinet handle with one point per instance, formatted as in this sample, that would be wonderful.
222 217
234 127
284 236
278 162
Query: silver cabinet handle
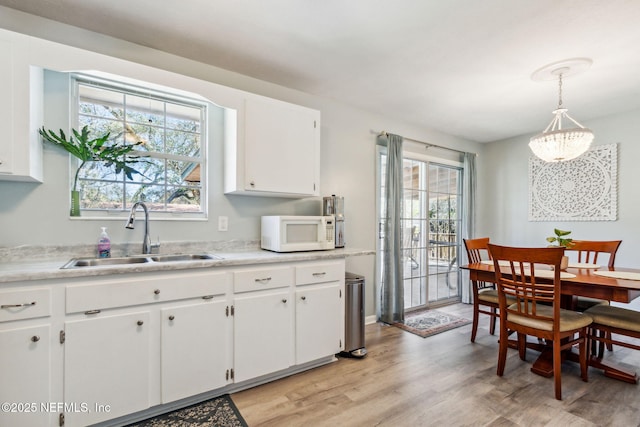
172 317
35 338
92 312
207 297
26 304
157 292
140 323
264 279
319 274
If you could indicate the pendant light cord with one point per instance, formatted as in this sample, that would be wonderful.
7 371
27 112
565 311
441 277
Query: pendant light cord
560 91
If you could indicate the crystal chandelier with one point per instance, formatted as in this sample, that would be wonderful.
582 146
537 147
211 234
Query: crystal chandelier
556 144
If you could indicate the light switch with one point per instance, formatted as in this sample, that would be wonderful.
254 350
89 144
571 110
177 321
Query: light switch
223 223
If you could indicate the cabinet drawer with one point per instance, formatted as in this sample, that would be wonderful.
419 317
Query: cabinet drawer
135 291
262 278
319 273
25 304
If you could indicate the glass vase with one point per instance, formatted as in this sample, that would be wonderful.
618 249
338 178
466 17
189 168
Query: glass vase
75 203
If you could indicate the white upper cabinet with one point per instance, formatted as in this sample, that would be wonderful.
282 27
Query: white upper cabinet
271 147
21 109
276 151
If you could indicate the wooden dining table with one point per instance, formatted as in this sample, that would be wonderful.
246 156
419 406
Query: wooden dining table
586 283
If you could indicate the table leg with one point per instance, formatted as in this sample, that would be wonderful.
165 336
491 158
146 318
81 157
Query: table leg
613 371
543 366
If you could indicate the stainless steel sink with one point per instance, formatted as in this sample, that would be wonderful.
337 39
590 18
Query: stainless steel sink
183 257
97 262
138 259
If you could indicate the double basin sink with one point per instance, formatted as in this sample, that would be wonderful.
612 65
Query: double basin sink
136 259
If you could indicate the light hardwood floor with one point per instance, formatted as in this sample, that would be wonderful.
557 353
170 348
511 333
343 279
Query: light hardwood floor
443 380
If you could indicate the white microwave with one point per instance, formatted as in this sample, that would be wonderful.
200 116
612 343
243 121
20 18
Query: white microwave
297 233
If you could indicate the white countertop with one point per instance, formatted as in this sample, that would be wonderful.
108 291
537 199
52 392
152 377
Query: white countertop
51 267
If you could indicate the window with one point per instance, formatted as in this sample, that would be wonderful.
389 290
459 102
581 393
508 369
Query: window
171 159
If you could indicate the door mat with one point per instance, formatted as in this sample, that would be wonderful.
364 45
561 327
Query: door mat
218 412
430 322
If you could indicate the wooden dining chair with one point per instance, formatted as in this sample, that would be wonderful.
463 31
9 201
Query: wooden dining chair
609 320
588 251
536 311
485 295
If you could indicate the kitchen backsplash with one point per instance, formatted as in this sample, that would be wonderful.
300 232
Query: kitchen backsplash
52 252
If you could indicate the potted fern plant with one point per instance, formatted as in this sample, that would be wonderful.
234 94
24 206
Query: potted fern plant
87 150
561 240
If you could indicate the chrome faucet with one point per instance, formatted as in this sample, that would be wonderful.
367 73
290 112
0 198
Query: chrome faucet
147 247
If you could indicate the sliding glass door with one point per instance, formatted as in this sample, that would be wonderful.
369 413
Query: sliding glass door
431 225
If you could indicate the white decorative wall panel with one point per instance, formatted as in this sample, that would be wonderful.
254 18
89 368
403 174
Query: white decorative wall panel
583 189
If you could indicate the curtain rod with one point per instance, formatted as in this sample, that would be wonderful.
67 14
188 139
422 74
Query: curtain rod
428 144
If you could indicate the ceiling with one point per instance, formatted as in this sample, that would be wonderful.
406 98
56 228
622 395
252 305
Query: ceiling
462 67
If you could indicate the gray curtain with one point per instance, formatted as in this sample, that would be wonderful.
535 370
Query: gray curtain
392 292
469 217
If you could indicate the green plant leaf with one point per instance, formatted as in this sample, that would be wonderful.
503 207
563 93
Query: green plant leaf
81 146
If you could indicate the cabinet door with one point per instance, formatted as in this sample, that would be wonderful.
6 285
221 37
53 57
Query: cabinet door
106 367
282 151
25 374
195 349
6 107
263 334
319 320
21 111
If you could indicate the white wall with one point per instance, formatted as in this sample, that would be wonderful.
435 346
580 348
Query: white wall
504 185
35 214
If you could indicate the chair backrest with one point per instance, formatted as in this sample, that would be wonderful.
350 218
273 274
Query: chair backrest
519 281
477 249
588 250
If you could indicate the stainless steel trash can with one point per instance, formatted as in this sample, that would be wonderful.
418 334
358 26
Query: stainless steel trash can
354 316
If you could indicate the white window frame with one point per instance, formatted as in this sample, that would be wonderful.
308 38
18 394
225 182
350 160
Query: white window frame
162 93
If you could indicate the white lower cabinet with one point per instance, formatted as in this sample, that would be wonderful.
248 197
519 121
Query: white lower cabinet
27 355
135 342
262 333
25 375
106 367
100 348
318 321
319 309
194 349
287 315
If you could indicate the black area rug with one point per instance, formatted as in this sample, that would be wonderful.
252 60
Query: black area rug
430 322
218 412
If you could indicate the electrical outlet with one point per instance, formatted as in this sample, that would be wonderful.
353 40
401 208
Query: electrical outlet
223 223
